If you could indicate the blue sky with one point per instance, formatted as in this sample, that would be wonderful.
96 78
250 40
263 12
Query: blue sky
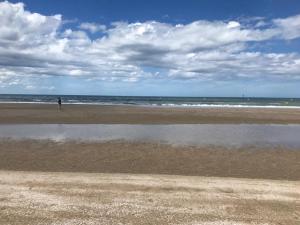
173 11
171 48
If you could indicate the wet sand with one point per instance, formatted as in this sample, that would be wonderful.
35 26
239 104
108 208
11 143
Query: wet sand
48 113
32 198
225 135
150 158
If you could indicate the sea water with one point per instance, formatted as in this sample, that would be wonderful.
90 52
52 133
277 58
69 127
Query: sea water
156 101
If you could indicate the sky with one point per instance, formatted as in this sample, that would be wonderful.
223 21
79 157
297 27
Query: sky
151 48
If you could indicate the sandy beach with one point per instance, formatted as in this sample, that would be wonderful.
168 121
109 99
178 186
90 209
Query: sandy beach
123 182
150 112
149 158
29 198
90 114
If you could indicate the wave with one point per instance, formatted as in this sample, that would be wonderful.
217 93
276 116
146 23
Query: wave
228 106
182 105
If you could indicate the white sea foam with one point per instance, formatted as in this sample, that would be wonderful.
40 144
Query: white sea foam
228 106
181 105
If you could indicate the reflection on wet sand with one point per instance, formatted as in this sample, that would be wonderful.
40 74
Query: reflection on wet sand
236 135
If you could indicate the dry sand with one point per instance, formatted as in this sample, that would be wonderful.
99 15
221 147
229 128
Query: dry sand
33 198
48 113
149 158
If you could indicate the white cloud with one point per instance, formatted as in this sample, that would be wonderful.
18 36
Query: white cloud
35 45
92 27
289 27
22 27
233 24
261 23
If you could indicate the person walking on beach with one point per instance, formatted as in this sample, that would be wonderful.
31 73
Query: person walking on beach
59 103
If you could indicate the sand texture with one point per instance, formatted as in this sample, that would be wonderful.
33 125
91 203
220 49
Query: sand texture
47 113
149 158
95 183
33 198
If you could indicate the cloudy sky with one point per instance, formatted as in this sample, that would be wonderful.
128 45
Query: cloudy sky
179 48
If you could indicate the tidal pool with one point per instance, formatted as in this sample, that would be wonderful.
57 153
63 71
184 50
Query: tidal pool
184 134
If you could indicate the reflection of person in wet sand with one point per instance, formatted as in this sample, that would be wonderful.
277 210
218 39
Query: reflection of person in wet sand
59 103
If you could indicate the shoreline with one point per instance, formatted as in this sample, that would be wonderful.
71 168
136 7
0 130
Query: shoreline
163 105
18 113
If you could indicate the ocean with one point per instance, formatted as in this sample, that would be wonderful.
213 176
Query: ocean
155 101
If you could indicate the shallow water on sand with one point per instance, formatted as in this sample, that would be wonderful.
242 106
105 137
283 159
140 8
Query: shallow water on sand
185 134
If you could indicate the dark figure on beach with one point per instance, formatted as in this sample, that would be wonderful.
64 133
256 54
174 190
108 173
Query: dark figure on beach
59 103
